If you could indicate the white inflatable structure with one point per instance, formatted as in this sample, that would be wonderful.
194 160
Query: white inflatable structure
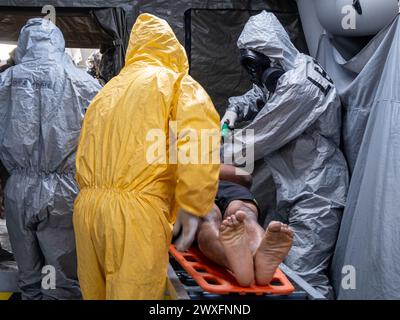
355 18
349 18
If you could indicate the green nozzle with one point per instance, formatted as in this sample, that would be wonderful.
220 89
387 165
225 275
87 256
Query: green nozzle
225 130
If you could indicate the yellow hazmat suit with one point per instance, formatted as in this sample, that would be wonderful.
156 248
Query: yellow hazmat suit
126 205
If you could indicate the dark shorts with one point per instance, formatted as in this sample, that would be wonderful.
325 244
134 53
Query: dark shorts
229 191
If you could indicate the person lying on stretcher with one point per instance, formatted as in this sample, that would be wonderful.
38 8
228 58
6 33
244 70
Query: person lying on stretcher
231 236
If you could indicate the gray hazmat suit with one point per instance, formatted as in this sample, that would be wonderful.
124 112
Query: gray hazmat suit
43 99
297 132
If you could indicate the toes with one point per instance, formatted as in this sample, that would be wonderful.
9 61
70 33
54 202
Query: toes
240 215
223 227
275 226
227 223
235 222
285 229
229 220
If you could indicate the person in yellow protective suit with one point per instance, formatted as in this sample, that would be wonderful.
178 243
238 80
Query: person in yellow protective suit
126 206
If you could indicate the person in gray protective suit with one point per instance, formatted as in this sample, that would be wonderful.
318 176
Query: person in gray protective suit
295 113
43 99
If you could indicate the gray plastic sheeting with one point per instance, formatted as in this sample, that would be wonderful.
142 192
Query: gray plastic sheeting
369 238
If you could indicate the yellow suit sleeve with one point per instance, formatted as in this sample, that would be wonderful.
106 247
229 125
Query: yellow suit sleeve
197 144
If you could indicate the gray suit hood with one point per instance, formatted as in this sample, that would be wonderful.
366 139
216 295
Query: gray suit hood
265 34
40 39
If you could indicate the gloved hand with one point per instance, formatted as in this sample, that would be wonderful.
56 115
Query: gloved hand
230 118
189 224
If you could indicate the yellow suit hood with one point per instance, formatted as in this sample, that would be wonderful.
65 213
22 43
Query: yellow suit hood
153 42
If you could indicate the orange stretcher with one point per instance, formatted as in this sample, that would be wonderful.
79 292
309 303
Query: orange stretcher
215 279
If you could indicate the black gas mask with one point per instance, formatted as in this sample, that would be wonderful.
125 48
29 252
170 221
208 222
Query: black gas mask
259 67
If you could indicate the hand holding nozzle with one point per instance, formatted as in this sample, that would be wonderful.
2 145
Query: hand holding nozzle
229 119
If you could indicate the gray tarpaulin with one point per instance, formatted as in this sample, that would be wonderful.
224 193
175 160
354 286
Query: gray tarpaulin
370 232
113 21
78 27
127 5
82 27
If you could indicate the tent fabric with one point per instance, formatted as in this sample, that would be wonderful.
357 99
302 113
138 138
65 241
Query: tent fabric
370 231
82 28
350 77
113 21
63 3
173 11
43 99
78 27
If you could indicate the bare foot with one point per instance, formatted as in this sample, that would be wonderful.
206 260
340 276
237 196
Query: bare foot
272 251
234 240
